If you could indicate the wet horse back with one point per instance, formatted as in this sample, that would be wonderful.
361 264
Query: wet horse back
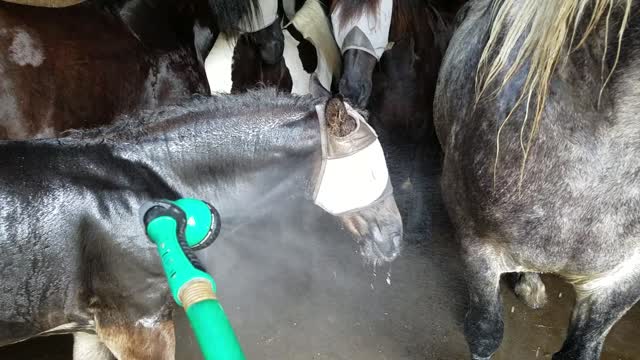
70 237
40 262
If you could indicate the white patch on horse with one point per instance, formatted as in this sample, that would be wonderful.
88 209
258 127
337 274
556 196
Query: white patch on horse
314 25
218 65
299 77
148 322
25 49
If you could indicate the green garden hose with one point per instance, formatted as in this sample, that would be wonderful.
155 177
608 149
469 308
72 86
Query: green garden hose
177 228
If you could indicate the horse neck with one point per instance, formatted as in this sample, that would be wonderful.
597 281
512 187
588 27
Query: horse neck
238 162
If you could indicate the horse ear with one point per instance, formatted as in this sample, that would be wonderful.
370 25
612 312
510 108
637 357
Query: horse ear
339 122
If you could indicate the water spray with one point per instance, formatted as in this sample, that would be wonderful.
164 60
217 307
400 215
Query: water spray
178 228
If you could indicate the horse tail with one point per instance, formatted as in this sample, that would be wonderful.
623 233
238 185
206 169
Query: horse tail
312 22
230 13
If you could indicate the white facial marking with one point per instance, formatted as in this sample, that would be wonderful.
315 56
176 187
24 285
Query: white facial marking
25 49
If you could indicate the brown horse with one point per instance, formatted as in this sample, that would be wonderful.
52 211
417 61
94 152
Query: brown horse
80 66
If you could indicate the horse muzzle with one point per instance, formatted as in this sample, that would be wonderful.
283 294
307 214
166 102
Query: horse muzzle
378 230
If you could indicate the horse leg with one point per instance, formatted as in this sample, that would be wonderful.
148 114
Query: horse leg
129 341
89 347
483 325
530 288
598 307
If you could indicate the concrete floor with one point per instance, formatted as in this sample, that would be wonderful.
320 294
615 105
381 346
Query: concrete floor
296 289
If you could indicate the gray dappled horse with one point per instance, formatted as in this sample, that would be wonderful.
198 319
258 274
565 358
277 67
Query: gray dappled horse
75 256
537 110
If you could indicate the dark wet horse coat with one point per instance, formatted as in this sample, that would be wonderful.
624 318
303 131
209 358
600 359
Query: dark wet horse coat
74 254
577 212
81 66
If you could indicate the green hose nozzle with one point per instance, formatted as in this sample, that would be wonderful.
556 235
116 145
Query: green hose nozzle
177 228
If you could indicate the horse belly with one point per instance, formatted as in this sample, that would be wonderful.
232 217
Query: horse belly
574 210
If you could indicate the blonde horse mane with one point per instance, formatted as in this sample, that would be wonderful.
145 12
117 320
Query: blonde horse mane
547 30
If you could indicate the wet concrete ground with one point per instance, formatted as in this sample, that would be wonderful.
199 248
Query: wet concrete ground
296 289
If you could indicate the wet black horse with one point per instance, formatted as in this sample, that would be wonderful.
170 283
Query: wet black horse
397 84
75 258
536 108
82 65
